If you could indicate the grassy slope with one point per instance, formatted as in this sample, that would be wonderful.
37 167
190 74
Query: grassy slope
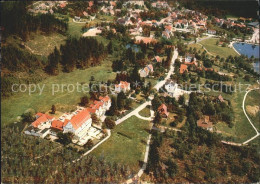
74 29
124 150
17 104
210 45
242 129
198 47
252 99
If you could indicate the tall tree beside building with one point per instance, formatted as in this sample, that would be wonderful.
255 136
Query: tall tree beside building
53 109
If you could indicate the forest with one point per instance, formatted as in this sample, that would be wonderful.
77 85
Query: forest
223 8
197 155
17 21
28 159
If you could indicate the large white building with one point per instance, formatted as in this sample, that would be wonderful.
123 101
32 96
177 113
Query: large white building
171 87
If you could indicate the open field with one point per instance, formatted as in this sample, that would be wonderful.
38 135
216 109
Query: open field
210 45
102 18
242 129
74 29
198 47
40 44
145 112
126 144
252 107
18 103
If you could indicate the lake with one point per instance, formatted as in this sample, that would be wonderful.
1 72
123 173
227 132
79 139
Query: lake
248 50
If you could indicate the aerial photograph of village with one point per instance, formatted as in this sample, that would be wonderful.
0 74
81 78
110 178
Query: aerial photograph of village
130 91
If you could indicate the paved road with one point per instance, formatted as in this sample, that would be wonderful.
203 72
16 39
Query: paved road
201 39
141 171
257 133
134 112
243 106
157 86
161 83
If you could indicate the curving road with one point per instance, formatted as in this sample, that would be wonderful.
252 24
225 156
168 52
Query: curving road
257 133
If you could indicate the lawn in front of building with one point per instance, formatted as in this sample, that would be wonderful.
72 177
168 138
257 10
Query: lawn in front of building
64 100
126 144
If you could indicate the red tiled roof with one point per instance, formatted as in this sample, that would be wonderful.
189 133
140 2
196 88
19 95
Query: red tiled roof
158 59
91 110
183 68
112 3
39 114
57 124
104 99
62 5
124 84
43 118
163 110
90 3
80 118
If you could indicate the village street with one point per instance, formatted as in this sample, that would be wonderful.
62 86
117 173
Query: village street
157 87
161 83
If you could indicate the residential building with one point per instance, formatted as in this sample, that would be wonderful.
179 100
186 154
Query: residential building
189 58
220 99
163 111
171 87
205 123
211 31
183 68
79 124
107 102
122 86
157 59
40 126
146 70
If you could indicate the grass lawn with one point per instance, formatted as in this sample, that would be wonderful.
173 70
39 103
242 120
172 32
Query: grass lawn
198 47
74 29
18 103
41 44
145 112
210 45
242 129
126 144
102 18
251 105
152 80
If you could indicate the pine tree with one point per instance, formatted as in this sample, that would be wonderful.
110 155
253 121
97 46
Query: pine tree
53 109
110 48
